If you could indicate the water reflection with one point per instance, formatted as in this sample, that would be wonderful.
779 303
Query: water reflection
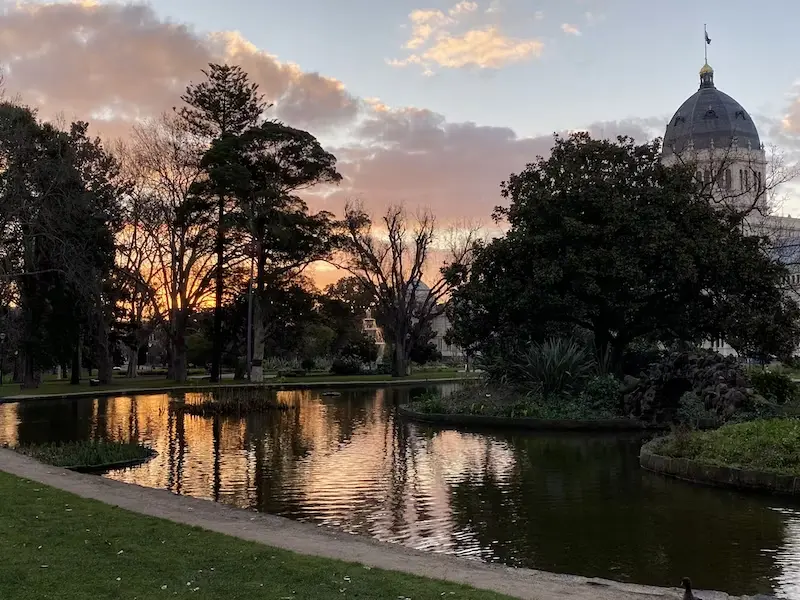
569 503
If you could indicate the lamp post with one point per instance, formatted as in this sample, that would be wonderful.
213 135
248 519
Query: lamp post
2 354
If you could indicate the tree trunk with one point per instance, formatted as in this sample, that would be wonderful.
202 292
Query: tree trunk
75 375
257 368
29 378
178 360
216 358
133 362
105 366
400 360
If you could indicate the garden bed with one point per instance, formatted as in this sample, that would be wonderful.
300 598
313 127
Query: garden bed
757 455
616 424
89 456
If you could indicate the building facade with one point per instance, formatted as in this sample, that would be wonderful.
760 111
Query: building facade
715 133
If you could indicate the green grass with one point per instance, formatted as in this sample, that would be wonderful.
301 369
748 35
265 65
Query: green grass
151 382
232 403
85 454
771 446
56 545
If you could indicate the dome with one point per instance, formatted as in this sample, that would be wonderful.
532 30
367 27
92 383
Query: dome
710 119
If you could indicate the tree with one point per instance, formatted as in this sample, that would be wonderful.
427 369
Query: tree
171 253
262 169
604 237
226 103
393 270
343 306
60 199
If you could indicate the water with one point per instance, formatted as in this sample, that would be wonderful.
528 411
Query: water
571 503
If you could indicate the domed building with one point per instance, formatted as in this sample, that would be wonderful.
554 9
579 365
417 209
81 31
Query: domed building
715 133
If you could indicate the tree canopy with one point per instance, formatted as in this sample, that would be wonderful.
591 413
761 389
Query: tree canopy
602 236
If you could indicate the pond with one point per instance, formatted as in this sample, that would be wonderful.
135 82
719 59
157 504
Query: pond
570 503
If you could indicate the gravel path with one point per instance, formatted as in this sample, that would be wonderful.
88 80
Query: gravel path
317 541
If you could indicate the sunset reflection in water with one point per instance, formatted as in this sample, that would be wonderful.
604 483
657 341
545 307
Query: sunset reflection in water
573 503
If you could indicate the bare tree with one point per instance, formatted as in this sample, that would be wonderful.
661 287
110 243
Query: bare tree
175 242
392 264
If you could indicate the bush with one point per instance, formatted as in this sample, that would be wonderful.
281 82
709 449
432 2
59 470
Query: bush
602 395
776 387
346 366
691 410
308 364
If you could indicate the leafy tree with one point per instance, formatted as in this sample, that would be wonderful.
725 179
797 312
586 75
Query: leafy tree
59 195
604 237
263 168
226 104
343 306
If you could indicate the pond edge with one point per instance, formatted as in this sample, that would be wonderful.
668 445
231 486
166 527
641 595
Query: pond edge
120 464
526 422
284 386
718 476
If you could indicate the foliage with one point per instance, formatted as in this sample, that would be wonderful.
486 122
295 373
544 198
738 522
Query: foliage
232 402
59 212
346 365
86 454
361 348
771 445
604 236
777 387
554 365
507 401
691 410
602 395
95 550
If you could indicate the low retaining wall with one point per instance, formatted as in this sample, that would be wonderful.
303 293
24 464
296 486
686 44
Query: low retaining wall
728 477
121 464
525 423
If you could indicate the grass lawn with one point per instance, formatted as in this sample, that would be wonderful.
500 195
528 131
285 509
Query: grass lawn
149 382
771 446
56 545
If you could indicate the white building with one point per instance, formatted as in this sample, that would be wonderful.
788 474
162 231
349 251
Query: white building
714 132
439 325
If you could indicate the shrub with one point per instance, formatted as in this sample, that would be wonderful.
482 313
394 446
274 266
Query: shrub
555 365
602 395
691 410
346 366
430 403
777 387
308 364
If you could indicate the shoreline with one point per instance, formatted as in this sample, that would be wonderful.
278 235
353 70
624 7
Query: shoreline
526 423
305 538
743 480
133 391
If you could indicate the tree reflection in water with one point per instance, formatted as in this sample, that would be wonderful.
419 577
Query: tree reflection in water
576 503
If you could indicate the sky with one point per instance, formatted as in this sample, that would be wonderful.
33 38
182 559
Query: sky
427 103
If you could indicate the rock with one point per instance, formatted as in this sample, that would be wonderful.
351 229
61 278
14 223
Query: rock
719 382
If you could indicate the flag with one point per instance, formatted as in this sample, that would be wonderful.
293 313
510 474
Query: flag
708 39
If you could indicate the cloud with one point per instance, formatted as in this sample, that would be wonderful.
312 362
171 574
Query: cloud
570 29
416 157
436 41
87 59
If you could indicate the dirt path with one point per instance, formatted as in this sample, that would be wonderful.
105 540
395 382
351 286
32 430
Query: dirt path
308 539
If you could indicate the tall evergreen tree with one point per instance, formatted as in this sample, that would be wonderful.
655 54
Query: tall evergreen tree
226 103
